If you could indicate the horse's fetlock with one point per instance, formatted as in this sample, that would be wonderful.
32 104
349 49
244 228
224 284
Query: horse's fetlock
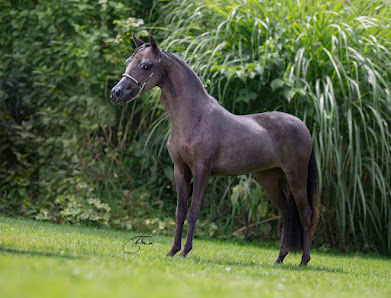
305 260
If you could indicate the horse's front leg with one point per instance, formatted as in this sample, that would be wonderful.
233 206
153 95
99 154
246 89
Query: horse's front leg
182 177
201 176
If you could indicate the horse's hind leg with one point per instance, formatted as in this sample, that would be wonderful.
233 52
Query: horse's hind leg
271 183
297 180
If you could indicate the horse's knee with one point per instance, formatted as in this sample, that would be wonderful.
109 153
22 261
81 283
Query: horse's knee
180 218
180 214
191 219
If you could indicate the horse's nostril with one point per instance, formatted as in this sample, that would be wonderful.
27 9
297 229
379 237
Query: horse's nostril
118 93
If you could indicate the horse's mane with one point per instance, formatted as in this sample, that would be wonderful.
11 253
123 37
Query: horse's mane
177 59
185 66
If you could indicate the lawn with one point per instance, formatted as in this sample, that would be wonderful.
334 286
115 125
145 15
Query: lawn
40 259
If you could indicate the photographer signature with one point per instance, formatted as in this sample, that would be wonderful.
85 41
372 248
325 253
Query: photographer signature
133 245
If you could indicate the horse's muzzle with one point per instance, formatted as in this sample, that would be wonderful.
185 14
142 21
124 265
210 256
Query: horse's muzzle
120 95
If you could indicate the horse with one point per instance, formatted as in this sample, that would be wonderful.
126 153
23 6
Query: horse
208 140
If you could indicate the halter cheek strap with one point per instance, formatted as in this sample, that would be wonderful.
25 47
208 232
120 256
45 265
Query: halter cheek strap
139 84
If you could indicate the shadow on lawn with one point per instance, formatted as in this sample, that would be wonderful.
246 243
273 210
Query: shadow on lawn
307 268
268 266
36 253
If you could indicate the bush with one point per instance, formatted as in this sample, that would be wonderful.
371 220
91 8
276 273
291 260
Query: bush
59 134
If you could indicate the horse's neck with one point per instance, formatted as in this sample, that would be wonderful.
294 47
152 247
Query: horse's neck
183 94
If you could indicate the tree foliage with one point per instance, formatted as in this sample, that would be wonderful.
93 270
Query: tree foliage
60 59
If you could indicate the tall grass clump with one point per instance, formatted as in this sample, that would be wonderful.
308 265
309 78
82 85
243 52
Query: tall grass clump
327 62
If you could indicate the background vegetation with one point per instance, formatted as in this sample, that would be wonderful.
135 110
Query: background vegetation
68 155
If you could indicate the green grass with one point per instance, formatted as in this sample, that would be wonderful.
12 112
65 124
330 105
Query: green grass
46 260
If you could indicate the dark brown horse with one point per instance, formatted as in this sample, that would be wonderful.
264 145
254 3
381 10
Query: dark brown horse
207 140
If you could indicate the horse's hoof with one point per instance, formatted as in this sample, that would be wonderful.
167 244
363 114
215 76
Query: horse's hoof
171 253
277 261
182 254
302 265
304 262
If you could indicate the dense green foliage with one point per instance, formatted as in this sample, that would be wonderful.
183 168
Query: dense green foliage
46 260
59 134
68 155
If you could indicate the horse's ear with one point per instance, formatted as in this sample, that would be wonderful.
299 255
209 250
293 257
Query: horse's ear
153 43
137 41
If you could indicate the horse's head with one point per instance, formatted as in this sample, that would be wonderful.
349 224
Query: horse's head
142 73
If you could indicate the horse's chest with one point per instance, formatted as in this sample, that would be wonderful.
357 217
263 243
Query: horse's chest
190 150
195 150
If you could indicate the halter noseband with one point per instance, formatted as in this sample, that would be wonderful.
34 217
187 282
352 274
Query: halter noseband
139 84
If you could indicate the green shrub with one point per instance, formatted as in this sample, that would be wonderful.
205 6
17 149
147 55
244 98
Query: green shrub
59 134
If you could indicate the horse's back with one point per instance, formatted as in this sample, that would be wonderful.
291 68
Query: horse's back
255 142
289 133
276 119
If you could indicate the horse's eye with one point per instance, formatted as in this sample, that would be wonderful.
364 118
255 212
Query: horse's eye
146 66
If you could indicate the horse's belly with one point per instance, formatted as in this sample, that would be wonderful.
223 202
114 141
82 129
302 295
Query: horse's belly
238 161
229 169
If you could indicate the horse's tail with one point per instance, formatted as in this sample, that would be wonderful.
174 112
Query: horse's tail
312 190
292 231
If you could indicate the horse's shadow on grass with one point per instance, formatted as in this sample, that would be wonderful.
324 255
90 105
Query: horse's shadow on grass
307 268
256 264
36 253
